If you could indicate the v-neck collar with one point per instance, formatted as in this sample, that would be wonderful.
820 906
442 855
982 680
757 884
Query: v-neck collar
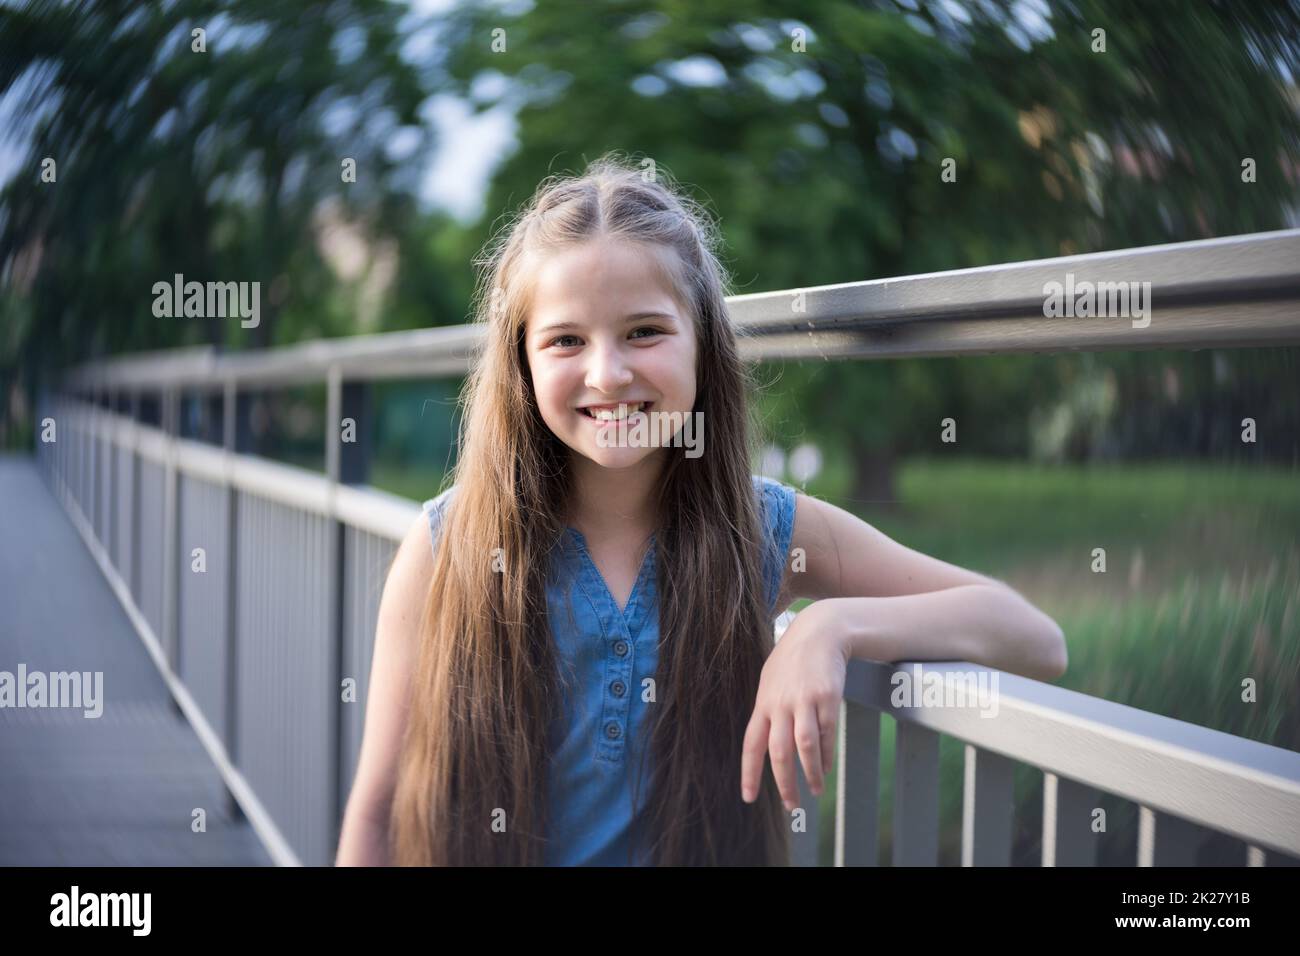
630 617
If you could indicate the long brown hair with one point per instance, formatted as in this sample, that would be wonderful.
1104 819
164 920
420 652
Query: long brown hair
484 689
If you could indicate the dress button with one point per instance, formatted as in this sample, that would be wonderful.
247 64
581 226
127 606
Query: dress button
618 688
620 648
612 731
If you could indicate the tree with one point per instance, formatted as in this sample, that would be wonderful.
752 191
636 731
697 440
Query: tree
200 137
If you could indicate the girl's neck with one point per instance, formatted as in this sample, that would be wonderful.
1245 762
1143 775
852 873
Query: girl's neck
613 503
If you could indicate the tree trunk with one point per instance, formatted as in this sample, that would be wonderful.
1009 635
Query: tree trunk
873 479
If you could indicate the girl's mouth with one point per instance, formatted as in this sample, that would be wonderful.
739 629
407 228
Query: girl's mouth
633 410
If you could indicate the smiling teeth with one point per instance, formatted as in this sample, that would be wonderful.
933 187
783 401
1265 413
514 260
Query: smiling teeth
609 414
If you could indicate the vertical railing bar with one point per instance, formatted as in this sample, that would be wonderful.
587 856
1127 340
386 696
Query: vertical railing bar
988 803
234 576
916 795
110 532
93 428
101 471
857 786
333 596
1179 840
1068 812
292 607
74 455
136 523
1146 845
803 845
170 532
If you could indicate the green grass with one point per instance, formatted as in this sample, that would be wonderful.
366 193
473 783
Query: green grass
1001 515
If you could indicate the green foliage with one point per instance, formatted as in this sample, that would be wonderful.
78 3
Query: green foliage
216 164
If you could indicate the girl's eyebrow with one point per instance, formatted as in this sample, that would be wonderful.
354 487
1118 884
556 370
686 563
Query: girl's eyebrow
634 317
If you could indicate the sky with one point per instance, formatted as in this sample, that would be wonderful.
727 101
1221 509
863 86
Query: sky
467 152
468 148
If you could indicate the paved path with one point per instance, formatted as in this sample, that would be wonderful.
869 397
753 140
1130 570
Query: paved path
118 789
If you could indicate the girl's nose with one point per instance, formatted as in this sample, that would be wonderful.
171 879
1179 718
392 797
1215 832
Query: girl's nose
608 371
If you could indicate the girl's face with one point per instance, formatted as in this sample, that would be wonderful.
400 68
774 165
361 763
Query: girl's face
605 329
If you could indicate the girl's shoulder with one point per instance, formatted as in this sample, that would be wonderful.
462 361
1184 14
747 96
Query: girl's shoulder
777 501
434 510
777 504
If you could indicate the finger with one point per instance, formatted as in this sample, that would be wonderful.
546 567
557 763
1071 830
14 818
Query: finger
808 738
751 757
780 746
828 716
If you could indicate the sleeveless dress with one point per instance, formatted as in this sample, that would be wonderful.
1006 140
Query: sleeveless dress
604 656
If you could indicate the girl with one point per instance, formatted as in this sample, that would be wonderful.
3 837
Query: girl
574 659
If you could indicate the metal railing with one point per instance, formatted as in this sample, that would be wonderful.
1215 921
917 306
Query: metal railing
257 632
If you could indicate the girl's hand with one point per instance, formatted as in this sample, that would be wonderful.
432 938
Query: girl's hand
798 705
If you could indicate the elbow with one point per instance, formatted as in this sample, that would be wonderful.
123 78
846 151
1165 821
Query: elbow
1055 655
1063 659
1044 653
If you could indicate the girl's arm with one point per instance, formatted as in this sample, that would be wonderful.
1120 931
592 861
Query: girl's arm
984 624
898 604
363 840
877 599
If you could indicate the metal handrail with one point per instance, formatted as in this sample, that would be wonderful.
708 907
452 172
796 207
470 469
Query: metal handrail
1235 291
1198 775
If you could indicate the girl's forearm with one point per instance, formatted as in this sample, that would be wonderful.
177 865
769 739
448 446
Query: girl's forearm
984 624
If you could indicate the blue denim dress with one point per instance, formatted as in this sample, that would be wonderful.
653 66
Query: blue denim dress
605 657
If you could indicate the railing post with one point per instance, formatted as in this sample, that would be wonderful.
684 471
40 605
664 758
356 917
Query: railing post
102 461
213 418
69 452
857 786
988 800
230 442
78 452
92 463
354 455
916 795
63 439
333 593
804 843
110 519
1176 843
170 412
1068 838
133 579
94 509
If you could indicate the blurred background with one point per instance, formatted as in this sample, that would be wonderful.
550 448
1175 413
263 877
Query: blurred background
815 133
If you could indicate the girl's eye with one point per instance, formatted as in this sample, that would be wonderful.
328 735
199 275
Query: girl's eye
559 340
